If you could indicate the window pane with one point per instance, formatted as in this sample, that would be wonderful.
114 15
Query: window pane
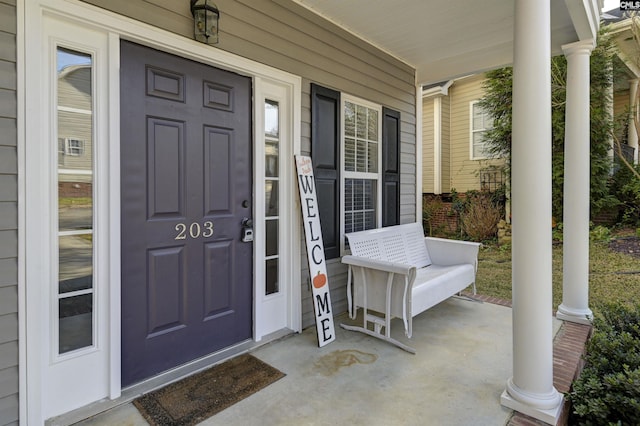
271 159
360 202
75 204
478 145
272 237
478 121
361 121
271 279
350 154
75 263
75 322
271 197
361 156
373 125
372 165
349 119
74 144
271 119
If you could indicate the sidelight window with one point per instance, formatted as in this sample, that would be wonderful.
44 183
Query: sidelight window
272 183
75 184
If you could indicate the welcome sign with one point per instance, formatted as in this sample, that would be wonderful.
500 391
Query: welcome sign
315 251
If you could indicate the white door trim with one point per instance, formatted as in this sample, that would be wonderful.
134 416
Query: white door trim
31 80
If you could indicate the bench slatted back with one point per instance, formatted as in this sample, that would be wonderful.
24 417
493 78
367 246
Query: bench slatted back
400 244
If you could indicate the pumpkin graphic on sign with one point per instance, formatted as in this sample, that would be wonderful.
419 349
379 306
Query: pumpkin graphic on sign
319 280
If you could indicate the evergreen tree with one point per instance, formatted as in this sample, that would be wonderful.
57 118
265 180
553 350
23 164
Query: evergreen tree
497 102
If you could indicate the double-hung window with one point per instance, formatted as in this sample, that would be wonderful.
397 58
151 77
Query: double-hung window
355 148
73 147
361 153
480 122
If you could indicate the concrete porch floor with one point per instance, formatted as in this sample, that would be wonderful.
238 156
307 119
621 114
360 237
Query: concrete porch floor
463 360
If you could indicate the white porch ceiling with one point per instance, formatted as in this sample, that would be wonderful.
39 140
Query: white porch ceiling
447 39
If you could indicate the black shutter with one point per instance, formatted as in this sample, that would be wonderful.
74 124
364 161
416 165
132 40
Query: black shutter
325 153
390 167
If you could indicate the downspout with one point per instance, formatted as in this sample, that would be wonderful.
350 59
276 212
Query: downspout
419 144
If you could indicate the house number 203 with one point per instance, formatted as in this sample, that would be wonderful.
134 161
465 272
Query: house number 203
194 230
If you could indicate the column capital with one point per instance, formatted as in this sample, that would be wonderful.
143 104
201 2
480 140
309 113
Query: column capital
584 47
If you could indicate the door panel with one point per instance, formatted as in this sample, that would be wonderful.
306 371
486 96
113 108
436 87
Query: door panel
186 164
217 168
165 178
217 296
165 294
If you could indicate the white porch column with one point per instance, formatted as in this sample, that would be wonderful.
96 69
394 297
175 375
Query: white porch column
531 389
633 117
575 281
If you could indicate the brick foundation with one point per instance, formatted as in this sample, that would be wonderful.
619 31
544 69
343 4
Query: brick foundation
75 190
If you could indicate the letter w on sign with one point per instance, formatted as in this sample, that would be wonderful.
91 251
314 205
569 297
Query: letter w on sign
315 251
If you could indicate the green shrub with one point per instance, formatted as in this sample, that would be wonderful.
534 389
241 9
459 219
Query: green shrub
557 233
608 390
625 186
600 233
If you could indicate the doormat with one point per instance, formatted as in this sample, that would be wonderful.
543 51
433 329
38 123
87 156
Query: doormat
198 397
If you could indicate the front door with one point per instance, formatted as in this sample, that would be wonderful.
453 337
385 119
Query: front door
186 174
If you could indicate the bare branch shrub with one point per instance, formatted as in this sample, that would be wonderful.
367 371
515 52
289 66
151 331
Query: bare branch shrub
480 218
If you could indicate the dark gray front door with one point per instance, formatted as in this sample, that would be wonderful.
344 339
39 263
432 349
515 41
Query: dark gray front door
186 187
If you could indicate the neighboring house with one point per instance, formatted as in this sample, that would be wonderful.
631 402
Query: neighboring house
453 152
453 123
454 158
627 66
132 267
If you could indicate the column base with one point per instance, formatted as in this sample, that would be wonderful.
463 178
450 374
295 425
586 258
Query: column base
546 408
579 316
550 416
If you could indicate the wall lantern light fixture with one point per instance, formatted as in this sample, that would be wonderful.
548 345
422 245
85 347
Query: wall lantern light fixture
205 21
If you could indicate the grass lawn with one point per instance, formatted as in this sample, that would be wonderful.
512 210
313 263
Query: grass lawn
612 276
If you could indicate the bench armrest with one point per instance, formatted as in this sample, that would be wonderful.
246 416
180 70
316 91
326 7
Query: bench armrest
380 265
452 252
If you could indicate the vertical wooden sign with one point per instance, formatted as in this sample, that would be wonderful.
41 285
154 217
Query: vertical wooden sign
315 251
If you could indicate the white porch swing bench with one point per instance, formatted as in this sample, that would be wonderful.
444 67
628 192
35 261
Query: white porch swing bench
398 272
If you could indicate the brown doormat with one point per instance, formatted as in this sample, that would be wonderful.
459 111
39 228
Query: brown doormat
202 395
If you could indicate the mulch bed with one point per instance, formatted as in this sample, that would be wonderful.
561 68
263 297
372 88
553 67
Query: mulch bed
627 245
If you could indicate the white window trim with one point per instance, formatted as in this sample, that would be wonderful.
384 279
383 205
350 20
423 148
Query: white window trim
359 175
473 131
69 150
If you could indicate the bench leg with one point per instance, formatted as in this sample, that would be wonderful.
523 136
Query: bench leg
379 336
378 322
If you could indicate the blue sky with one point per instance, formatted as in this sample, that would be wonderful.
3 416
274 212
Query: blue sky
66 58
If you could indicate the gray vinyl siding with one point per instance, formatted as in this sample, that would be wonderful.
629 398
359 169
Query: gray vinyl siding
9 405
285 35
